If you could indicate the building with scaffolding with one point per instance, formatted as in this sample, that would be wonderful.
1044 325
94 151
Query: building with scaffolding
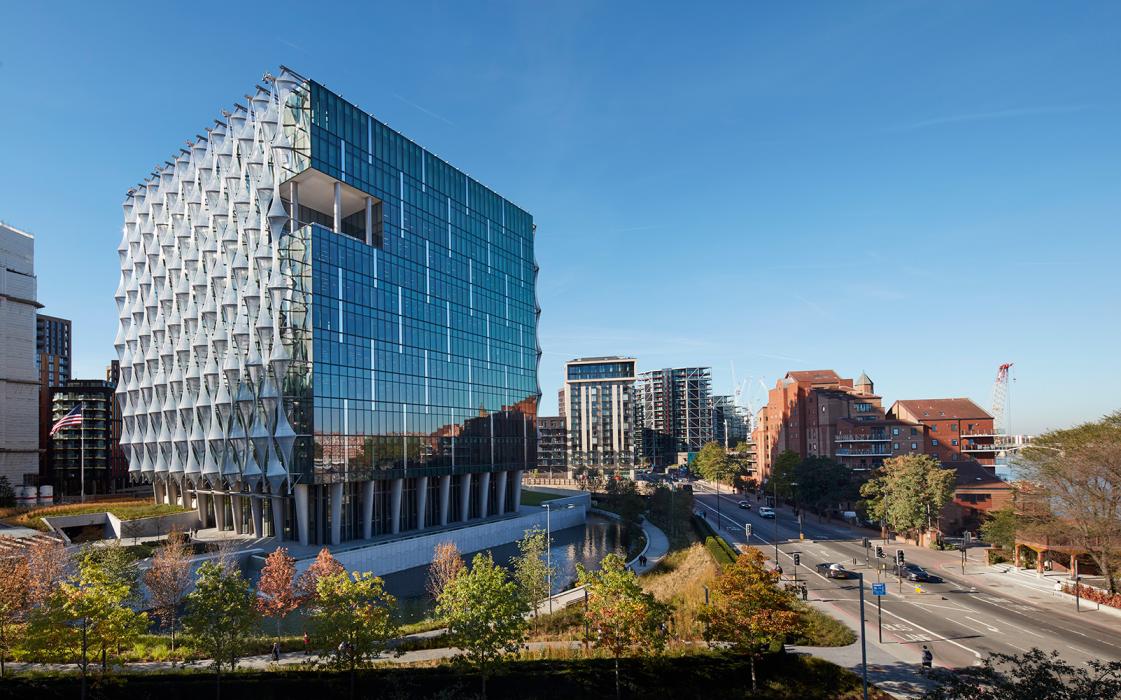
673 413
730 423
326 332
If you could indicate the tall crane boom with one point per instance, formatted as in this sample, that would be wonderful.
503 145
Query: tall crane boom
1002 401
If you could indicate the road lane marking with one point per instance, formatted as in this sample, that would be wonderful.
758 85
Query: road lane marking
985 625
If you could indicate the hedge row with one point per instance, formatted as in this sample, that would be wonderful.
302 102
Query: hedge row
722 552
693 676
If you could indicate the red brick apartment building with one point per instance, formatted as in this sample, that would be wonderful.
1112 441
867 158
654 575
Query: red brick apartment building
818 412
954 430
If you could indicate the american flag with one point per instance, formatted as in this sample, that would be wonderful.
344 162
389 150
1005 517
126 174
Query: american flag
70 419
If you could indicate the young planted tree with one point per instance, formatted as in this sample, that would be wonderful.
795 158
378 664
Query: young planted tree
621 614
531 569
1000 527
220 617
356 611
446 565
168 577
784 474
86 616
115 563
276 594
749 612
908 492
1079 470
324 565
823 483
485 615
14 604
47 561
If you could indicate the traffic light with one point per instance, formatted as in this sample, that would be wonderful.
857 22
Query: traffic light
899 556
747 530
879 552
866 543
797 558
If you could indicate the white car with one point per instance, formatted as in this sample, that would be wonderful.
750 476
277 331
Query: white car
766 512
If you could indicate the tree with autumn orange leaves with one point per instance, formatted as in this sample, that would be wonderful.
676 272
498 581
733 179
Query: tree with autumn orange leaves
324 565
13 603
749 612
168 577
276 593
47 561
619 613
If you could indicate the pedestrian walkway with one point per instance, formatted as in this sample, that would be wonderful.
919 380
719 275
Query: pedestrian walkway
657 547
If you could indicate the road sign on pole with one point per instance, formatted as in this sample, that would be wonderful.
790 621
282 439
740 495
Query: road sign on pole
879 589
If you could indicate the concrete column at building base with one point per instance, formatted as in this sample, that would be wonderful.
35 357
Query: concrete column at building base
465 497
421 501
395 505
445 498
202 509
277 507
301 494
500 492
219 510
367 509
258 521
484 493
235 506
158 494
170 496
336 512
517 490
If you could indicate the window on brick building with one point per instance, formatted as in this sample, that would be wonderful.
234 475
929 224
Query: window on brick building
934 442
934 428
895 431
954 442
914 445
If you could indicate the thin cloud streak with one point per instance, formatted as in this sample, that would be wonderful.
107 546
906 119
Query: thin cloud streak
990 116
429 112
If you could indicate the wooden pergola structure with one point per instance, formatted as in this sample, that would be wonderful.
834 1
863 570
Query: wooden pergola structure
1044 552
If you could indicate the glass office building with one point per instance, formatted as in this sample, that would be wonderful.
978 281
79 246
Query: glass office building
599 413
327 332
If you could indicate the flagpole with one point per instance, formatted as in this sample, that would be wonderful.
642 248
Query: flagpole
82 441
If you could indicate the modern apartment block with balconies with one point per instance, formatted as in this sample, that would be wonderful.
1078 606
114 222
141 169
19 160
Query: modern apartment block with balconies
327 332
598 409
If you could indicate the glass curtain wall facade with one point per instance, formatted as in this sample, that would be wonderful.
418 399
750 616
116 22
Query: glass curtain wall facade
95 434
385 375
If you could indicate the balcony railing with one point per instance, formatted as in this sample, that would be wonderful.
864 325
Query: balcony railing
849 452
980 448
981 434
861 438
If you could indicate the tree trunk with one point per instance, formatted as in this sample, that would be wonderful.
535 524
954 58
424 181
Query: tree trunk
617 688
483 676
84 660
218 680
754 686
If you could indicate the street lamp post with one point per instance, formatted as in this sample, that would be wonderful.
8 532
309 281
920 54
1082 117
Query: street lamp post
774 511
797 513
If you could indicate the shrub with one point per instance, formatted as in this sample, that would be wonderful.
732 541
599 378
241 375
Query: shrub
1096 595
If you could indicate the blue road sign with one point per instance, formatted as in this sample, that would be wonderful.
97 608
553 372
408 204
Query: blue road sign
879 589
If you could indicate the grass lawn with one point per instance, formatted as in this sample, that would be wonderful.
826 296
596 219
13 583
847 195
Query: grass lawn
125 510
536 498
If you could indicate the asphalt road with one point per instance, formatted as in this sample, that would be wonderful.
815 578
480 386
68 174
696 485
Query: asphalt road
962 619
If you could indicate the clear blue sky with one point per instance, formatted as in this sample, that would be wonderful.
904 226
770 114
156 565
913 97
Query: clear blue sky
921 190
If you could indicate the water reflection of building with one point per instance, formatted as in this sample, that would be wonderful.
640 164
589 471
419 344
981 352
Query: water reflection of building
327 333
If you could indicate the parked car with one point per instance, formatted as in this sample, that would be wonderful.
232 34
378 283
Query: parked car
766 512
831 570
914 572
744 505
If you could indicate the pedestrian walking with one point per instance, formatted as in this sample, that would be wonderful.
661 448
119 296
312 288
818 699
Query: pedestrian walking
927 657
276 651
307 645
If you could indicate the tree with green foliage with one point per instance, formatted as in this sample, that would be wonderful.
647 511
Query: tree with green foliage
823 483
84 617
221 617
749 612
712 463
117 564
355 611
1033 674
783 474
908 492
1079 473
1000 527
621 615
532 571
485 614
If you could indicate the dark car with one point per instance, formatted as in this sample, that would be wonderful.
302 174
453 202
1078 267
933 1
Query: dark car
744 505
830 570
914 572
